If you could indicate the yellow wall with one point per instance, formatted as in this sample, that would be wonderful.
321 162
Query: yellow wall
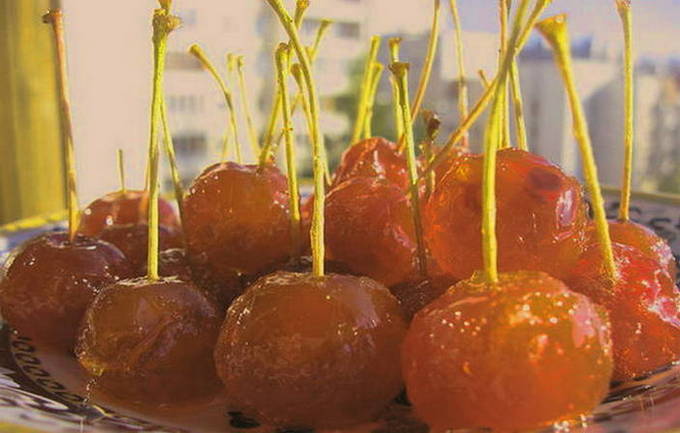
31 168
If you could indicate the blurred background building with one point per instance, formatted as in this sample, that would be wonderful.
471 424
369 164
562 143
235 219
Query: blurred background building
110 67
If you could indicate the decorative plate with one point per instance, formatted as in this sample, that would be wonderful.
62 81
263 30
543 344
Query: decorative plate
43 392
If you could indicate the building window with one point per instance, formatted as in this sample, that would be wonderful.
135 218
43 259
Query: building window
189 104
180 61
190 144
310 26
348 30
188 17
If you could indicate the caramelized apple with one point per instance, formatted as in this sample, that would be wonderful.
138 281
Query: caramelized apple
369 228
50 281
236 220
645 241
151 342
132 240
374 157
643 304
541 216
518 354
121 208
302 351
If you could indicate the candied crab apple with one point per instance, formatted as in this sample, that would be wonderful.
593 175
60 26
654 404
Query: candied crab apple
373 157
644 240
541 216
50 282
151 342
370 229
132 240
121 208
517 354
236 220
298 350
643 304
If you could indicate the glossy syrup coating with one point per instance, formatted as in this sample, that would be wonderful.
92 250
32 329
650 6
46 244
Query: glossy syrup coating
643 305
417 294
520 354
370 229
302 351
173 262
121 208
132 240
646 241
376 158
151 343
50 281
541 218
236 220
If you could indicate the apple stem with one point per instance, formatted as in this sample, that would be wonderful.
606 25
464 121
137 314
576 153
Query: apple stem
394 44
296 72
55 17
378 69
432 125
400 71
172 159
245 103
426 73
266 154
625 12
163 24
120 158
463 98
492 142
486 97
555 31
282 69
299 97
232 124
484 79
317 232
518 104
503 11
360 122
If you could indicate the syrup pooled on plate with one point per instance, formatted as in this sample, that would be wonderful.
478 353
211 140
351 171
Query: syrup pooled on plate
369 229
50 281
541 216
643 304
121 208
519 354
151 342
298 350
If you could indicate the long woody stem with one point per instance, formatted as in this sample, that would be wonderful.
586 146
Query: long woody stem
556 33
463 99
163 24
486 97
317 232
360 121
243 87
172 159
282 68
492 141
400 71
626 15
232 124
56 19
